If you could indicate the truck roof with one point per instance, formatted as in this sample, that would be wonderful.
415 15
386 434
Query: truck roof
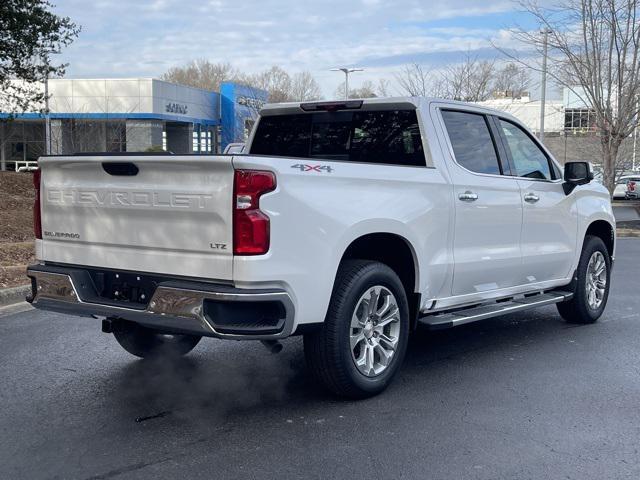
377 103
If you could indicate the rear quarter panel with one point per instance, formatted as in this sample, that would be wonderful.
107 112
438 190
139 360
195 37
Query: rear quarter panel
316 214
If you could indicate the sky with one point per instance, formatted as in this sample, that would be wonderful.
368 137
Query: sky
139 38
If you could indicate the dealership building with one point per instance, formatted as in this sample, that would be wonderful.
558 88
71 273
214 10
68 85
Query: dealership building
146 114
131 115
570 131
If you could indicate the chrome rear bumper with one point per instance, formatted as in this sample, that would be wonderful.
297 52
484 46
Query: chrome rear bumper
175 306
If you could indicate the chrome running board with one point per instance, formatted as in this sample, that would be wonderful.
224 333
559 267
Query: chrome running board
450 319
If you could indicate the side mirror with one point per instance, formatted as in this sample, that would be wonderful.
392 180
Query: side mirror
576 173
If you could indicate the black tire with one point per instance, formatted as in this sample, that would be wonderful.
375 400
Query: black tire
328 351
144 342
578 310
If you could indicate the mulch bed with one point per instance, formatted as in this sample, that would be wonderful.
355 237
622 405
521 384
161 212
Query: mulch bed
16 207
16 227
20 253
13 276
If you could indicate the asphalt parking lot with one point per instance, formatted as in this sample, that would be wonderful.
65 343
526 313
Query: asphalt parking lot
524 396
626 211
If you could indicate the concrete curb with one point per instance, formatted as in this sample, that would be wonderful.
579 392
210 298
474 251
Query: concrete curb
9 296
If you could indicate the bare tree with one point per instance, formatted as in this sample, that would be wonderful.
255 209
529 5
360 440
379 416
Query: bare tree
276 81
382 89
202 73
594 50
511 80
366 90
77 135
470 80
414 81
280 86
304 87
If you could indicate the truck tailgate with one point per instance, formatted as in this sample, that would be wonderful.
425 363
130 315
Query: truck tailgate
162 213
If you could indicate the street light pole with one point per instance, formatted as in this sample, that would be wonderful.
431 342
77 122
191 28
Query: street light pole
47 116
543 83
47 111
346 84
346 72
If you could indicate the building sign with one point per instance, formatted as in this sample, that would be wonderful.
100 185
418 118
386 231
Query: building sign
238 104
172 107
250 102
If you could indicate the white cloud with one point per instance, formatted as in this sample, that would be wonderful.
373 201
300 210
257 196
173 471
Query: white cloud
146 37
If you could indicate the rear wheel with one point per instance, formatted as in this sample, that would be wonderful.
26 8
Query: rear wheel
144 342
592 285
363 340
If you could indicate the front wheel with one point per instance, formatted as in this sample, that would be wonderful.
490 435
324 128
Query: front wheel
144 342
592 285
363 340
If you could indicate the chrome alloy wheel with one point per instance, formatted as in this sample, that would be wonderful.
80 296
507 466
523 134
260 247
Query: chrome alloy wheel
375 330
596 280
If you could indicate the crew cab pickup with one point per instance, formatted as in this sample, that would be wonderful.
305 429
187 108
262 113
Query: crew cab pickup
347 222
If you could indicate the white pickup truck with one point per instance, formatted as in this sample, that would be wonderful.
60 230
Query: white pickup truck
347 222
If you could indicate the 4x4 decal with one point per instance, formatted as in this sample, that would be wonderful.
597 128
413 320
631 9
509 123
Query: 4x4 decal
303 167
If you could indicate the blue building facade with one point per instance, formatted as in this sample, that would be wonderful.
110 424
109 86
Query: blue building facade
239 106
130 115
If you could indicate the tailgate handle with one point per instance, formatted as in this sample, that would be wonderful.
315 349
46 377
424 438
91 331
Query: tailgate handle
125 169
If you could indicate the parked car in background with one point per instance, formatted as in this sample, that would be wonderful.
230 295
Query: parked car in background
620 191
632 188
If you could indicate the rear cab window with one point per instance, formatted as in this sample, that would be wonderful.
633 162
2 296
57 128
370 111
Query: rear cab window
389 137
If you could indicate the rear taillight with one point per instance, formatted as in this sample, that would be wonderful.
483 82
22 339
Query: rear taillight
250 224
631 186
37 218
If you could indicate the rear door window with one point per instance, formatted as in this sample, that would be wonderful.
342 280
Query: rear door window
472 142
385 137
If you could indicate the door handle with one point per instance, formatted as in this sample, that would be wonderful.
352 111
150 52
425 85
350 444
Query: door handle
468 196
531 198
